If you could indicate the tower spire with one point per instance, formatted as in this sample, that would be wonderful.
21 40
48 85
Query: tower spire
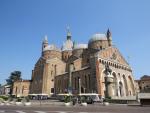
108 33
109 37
68 33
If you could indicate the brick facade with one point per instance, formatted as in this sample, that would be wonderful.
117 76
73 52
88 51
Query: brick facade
51 74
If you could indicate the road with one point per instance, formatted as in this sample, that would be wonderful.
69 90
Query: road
75 109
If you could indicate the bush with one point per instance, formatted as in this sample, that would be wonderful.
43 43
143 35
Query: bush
67 99
10 99
5 98
83 99
1 99
108 99
19 100
27 99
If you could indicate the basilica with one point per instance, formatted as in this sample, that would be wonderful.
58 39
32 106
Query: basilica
96 67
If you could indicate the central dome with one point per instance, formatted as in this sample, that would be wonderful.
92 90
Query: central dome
97 37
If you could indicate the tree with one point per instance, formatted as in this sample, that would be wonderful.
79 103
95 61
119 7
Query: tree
14 76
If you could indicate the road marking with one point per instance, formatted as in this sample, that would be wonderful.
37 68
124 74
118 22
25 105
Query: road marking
62 112
20 112
40 111
92 112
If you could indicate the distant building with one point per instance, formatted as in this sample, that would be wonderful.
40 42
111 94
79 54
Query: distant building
1 90
144 83
5 90
96 67
21 88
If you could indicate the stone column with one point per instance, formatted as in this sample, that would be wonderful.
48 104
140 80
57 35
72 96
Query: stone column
71 68
109 85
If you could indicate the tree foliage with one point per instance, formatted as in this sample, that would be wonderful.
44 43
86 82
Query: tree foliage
14 76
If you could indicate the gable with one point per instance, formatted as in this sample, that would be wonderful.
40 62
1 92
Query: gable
113 54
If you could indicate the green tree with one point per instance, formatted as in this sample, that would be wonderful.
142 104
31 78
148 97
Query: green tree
14 76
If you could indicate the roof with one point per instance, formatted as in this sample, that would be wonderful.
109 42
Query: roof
97 37
80 46
145 77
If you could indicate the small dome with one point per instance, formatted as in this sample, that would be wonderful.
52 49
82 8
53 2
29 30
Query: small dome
80 46
51 47
97 37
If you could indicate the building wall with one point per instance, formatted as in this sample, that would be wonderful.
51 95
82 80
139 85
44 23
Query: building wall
121 73
144 83
66 55
52 54
52 71
37 77
87 82
21 88
54 67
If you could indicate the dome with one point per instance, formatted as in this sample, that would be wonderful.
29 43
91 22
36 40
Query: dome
51 47
97 37
80 46
67 45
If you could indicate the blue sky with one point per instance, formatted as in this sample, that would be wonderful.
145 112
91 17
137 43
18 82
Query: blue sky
23 24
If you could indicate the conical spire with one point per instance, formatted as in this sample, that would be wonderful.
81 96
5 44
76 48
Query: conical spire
108 33
109 37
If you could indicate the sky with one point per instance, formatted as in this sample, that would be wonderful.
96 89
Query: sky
24 23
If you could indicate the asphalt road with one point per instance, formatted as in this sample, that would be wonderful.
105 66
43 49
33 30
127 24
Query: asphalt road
75 109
